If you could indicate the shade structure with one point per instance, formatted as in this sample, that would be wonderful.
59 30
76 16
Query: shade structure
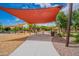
34 16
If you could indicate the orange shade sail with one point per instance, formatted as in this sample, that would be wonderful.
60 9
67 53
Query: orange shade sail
34 16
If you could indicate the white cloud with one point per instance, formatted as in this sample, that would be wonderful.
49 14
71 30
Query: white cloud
75 7
17 19
47 24
55 5
48 5
24 7
42 5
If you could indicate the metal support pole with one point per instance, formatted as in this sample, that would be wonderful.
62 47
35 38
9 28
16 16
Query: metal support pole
69 24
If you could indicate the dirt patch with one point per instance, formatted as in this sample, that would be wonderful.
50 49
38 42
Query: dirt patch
9 42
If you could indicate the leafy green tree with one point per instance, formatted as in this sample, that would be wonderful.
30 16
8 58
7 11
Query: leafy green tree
16 29
75 21
62 21
1 27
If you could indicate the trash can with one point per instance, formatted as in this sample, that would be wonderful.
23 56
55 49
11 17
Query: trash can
52 33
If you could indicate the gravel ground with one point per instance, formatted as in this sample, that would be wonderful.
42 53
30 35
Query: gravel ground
59 44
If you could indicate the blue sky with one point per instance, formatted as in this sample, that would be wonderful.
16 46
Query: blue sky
7 19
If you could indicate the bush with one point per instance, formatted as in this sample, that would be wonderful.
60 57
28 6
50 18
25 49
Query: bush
59 35
76 38
7 29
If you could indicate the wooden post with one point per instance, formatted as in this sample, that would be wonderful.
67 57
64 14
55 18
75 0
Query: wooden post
69 24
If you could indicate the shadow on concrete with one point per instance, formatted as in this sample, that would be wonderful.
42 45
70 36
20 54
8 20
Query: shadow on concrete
40 37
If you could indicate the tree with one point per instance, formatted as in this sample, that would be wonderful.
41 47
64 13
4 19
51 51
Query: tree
1 27
62 21
16 29
75 21
7 29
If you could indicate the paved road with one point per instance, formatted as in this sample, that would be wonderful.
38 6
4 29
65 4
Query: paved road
36 45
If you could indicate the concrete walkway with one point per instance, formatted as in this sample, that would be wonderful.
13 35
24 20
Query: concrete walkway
36 45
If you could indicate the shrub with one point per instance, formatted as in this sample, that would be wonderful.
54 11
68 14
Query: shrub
7 29
76 38
59 35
